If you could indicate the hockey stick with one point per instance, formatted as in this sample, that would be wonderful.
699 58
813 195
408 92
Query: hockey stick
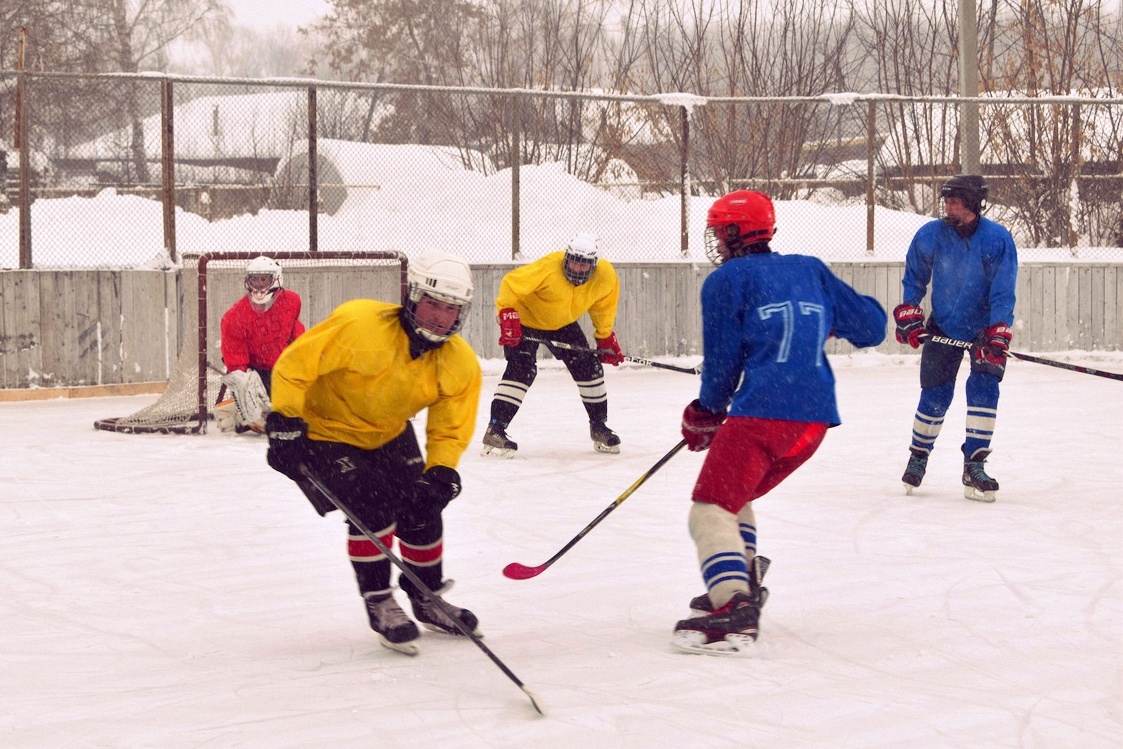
516 571
413 578
632 359
1026 357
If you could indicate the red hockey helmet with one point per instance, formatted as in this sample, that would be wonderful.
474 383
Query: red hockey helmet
741 218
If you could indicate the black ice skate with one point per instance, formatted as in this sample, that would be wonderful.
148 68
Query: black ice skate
914 471
436 617
395 629
497 443
731 630
604 439
977 485
701 605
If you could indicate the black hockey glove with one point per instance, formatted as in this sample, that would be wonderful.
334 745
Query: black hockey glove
437 487
288 444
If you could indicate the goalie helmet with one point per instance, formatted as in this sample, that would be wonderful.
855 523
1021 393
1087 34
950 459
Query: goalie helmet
263 280
440 294
580 258
970 188
739 220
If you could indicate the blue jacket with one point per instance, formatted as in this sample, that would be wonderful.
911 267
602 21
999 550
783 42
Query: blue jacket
765 318
973 280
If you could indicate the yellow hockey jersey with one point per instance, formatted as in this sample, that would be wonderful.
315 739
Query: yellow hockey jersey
544 299
351 378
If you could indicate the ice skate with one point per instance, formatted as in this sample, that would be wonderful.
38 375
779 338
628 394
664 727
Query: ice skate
914 471
604 439
701 605
394 628
977 485
731 630
497 443
436 617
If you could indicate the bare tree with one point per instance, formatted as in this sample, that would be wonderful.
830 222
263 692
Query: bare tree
1055 47
911 50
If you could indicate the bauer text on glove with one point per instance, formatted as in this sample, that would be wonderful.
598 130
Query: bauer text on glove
991 347
910 324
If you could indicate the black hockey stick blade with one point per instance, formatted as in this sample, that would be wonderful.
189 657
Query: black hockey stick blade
516 571
328 494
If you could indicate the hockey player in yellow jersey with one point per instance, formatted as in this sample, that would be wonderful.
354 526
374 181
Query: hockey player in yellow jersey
542 301
342 403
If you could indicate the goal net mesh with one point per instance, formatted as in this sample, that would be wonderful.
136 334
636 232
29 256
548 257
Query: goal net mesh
324 280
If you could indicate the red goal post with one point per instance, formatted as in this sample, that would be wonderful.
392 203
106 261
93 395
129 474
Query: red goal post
324 280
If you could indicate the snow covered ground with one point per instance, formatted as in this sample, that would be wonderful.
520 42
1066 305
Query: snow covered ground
174 592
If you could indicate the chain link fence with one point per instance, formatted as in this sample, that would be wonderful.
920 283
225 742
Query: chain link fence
134 171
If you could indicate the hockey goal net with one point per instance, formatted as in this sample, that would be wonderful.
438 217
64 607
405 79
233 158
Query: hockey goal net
324 280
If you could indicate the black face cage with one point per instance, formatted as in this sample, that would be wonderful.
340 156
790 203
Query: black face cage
733 243
575 277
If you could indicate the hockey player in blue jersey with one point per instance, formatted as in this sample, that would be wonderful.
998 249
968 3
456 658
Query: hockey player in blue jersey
766 401
972 266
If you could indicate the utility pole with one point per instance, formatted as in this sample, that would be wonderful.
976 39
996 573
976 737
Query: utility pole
968 87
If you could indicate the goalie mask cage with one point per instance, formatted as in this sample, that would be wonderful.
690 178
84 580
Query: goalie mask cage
324 280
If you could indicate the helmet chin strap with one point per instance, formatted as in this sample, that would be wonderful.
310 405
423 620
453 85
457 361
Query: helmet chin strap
265 305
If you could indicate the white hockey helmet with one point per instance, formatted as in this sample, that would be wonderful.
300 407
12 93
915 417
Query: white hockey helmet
580 258
263 280
440 286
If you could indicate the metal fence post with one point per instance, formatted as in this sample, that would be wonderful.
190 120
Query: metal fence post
24 149
167 170
516 162
313 187
871 176
684 185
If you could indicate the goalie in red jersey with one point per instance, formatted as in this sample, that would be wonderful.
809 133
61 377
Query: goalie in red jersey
255 330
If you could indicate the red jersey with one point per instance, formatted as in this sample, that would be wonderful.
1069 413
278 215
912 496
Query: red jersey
255 338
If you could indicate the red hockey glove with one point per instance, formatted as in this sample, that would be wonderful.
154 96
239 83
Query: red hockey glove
510 327
989 353
699 425
609 350
910 324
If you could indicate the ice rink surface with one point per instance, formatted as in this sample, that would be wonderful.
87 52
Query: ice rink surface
173 591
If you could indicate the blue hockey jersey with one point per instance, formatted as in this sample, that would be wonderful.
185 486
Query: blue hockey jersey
765 318
973 280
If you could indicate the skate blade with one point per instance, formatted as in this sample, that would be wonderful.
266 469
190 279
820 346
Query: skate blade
405 648
600 447
498 452
978 495
454 632
733 645
909 489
